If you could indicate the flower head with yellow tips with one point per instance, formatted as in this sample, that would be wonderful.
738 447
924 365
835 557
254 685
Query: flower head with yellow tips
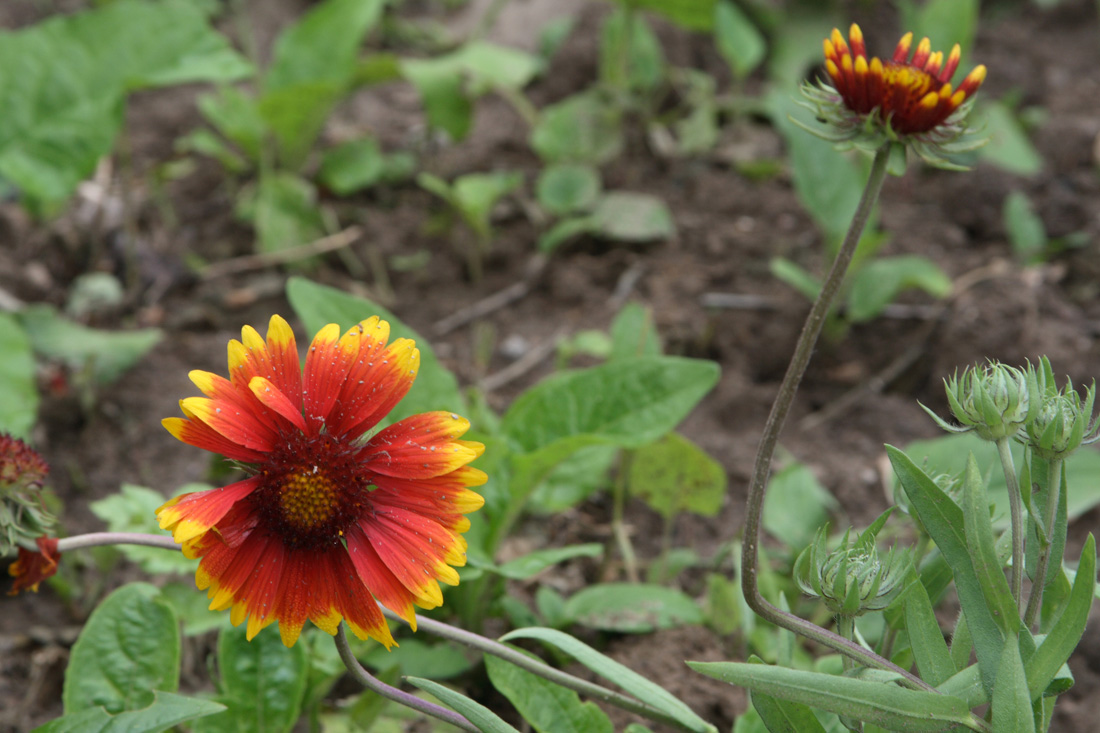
907 99
330 517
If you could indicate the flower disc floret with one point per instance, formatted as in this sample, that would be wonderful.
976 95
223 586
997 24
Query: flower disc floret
331 520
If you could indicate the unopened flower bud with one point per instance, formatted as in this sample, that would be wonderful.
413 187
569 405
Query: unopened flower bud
992 400
24 515
1062 421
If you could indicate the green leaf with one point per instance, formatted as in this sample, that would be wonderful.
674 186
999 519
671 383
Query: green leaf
262 682
876 284
944 521
978 530
106 355
133 509
674 475
546 706
482 717
622 676
1008 147
475 195
566 188
1011 702
417 658
644 67
65 81
353 166
435 388
788 272
632 217
19 408
574 479
129 648
323 46
443 95
633 608
691 15
563 231
286 213
738 40
533 563
236 116
1026 232
295 115
784 716
1063 638
945 22
192 607
633 333
893 707
166 711
584 128
796 486
925 637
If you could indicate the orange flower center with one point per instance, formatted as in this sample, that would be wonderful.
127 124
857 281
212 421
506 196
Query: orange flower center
918 81
307 499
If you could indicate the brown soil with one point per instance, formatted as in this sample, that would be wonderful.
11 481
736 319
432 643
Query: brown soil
728 228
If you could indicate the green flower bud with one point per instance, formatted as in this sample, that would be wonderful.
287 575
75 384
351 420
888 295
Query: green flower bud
854 578
1062 421
24 515
993 400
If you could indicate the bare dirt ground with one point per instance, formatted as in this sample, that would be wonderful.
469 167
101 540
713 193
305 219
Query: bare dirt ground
727 229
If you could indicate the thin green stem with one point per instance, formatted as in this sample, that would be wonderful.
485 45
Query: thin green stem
363 677
1015 507
754 505
96 539
846 627
1054 490
618 527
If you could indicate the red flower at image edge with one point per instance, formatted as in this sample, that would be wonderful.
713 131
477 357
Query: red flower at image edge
31 568
913 95
328 520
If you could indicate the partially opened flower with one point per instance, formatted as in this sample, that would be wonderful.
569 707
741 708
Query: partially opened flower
330 515
31 568
908 98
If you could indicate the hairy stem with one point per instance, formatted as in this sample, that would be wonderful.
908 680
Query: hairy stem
754 505
1050 516
96 539
363 677
1015 506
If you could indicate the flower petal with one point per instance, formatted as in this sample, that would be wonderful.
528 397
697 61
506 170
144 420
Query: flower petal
379 379
31 568
276 359
272 397
421 446
377 576
240 426
327 364
190 515
201 435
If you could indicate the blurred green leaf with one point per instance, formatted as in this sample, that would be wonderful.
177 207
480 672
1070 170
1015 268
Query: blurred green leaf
193 607
584 128
674 475
165 712
129 649
632 608
566 188
133 509
632 217
574 479
475 195
738 40
547 707
359 164
286 213
1009 147
944 22
19 408
788 272
417 658
295 116
1025 229
796 486
484 718
692 15
107 355
634 59
236 116
633 333
533 563
879 282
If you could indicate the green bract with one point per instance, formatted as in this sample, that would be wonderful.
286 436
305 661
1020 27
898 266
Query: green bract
994 401
1062 422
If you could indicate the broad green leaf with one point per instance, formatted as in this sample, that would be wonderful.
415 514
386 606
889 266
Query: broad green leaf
1064 636
641 64
104 355
565 230
1008 147
262 682
286 213
788 272
632 217
356 165
1011 702
567 188
893 707
944 22
489 65
944 521
129 648
691 15
674 475
622 676
635 608
546 706
876 284
435 388
323 46
295 115
925 637
535 562
795 486
633 333
785 716
133 509
442 92
475 195
584 128
1025 229
236 115
574 479
65 81
192 607
978 531
485 719
738 40
416 658
166 711
19 408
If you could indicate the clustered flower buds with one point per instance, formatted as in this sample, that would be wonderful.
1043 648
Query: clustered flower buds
24 515
854 578
993 401
1062 422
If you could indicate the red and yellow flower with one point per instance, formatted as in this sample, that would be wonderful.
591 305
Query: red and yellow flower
31 568
908 98
330 517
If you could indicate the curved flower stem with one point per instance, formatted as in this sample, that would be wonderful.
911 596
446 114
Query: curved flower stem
1054 491
1015 506
754 505
363 677
558 677
96 539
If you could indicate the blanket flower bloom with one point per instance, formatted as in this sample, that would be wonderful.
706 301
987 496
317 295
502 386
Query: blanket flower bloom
908 98
31 568
329 519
